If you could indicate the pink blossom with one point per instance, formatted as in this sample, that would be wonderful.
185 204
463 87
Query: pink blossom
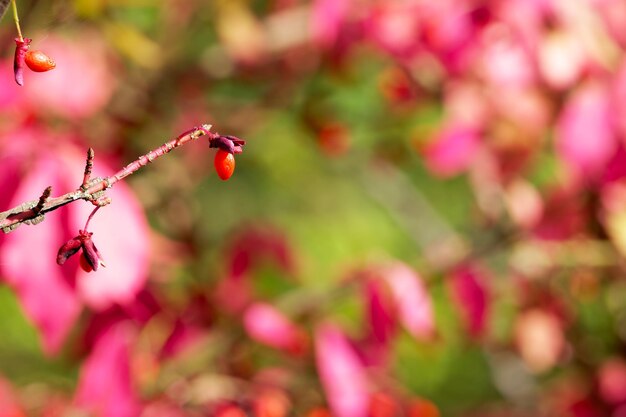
341 372
452 150
267 325
412 300
471 297
584 135
105 385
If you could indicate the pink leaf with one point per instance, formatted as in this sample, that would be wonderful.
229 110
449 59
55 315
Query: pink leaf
470 295
584 137
612 381
9 402
452 151
267 325
341 372
105 383
412 300
327 18
395 28
381 312
28 262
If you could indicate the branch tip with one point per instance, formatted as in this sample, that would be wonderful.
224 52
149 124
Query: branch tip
42 200
88 168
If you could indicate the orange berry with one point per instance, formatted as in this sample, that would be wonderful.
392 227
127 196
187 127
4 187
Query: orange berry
423 408
383 405
224 164
39 62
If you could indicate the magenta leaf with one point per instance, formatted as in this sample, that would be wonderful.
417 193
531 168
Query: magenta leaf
341 372
469 292
105 386
28 262
413 302
452 150
585 139
267 325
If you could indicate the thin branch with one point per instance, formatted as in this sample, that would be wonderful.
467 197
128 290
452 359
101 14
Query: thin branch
91 217
32 212
16 19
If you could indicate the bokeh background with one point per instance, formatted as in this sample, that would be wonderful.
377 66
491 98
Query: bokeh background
428 218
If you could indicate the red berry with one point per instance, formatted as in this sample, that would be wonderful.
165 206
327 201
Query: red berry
39 62
84 263
224 164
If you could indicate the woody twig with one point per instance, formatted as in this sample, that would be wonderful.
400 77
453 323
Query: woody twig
93 189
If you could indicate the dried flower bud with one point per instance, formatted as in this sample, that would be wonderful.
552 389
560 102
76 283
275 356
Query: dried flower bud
21 48
90 254
230 144
68 249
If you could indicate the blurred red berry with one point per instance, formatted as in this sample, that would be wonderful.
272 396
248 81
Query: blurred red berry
423 408
231 411
383 405
39 62
224 164
271 403
319 412
334 139
84 264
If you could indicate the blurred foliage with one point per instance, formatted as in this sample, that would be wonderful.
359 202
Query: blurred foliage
359 196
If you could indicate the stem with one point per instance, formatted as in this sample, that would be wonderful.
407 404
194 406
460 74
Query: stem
89 218
16 19
11 219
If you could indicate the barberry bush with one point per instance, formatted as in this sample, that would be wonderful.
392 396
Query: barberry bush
429 218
